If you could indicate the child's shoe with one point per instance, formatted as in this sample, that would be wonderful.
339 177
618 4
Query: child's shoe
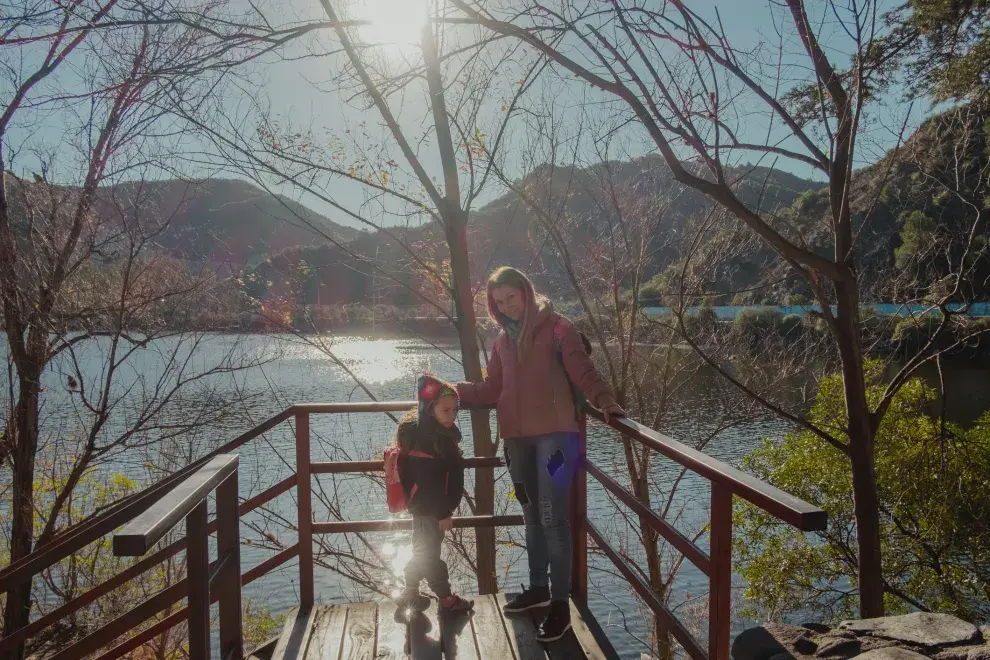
412 600
454 604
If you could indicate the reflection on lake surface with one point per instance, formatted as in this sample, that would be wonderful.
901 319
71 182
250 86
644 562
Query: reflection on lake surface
294 370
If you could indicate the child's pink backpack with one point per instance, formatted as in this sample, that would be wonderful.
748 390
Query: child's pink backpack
394 493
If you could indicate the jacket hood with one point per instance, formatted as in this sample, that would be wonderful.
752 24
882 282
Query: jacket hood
538 307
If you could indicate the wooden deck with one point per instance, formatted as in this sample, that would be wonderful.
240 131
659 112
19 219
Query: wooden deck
374 631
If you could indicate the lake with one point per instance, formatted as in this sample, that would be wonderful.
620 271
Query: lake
281 370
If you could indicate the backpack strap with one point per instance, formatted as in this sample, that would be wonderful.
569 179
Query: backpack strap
558 346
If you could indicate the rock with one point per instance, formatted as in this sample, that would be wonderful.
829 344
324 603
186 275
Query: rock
773 639
805 646
922 628
840 648
891 653
979 652
819 628
985 633
957 653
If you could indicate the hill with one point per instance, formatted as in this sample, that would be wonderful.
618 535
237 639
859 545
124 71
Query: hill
380 267
917 216
228 224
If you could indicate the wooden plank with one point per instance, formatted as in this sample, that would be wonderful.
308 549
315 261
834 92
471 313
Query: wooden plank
295 635
425 635
584 631
489 631
566 648
458 635
304 510
328 635
393 640
521 633
360 633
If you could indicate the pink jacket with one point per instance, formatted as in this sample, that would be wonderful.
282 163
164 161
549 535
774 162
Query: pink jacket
534 398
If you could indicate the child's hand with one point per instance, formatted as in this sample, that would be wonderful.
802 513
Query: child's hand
446 524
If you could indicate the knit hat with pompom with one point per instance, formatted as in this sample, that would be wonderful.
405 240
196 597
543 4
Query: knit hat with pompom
429 388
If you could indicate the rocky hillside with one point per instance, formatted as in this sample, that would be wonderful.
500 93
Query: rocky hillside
506 231
918 213
229 225
914 213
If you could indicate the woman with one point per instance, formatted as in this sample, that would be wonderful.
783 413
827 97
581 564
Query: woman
534 361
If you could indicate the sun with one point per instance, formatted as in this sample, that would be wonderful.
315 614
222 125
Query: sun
395 25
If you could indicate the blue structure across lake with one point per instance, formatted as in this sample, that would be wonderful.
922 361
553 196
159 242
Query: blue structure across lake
730 312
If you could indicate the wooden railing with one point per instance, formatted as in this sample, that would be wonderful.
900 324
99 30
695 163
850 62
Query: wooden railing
177 494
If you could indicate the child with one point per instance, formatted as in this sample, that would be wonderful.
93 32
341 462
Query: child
433 479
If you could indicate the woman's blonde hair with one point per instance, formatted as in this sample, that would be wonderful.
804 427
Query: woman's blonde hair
512 277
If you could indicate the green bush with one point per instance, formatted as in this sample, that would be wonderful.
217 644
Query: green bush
703 325
754 327
935 513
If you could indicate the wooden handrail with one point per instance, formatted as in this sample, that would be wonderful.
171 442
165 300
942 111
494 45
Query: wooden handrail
682 543
341 467
143 532
131 572
671 622
150 521
79 536
800 514
345 526
181 615
188 501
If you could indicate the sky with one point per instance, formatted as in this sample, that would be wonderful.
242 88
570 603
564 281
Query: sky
305 90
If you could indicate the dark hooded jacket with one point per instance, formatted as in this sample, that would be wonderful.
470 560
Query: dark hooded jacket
433 485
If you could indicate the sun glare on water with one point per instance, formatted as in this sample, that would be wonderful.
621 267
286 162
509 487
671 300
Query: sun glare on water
395 25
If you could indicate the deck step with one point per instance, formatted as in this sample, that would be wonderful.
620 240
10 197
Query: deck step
376 631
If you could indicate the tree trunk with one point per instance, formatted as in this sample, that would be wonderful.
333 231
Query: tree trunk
864 480
24 445
484 478
663 646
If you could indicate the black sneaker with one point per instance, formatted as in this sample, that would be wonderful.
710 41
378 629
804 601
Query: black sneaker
529 599
557 623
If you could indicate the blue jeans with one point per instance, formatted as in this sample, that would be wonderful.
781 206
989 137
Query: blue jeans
542 469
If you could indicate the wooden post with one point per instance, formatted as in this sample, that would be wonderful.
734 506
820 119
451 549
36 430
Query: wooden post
720 576
229 581
305 508
198 579
579 517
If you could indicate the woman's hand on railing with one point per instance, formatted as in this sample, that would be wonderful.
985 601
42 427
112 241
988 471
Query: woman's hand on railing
446 524
614 410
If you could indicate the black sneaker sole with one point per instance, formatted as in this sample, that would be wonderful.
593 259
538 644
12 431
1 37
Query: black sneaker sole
546 639
520 610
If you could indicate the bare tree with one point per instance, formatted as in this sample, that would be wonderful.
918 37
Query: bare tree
428 177
674 73
602 221
84 292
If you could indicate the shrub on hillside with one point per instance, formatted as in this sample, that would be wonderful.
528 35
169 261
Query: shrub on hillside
932 481
753 328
